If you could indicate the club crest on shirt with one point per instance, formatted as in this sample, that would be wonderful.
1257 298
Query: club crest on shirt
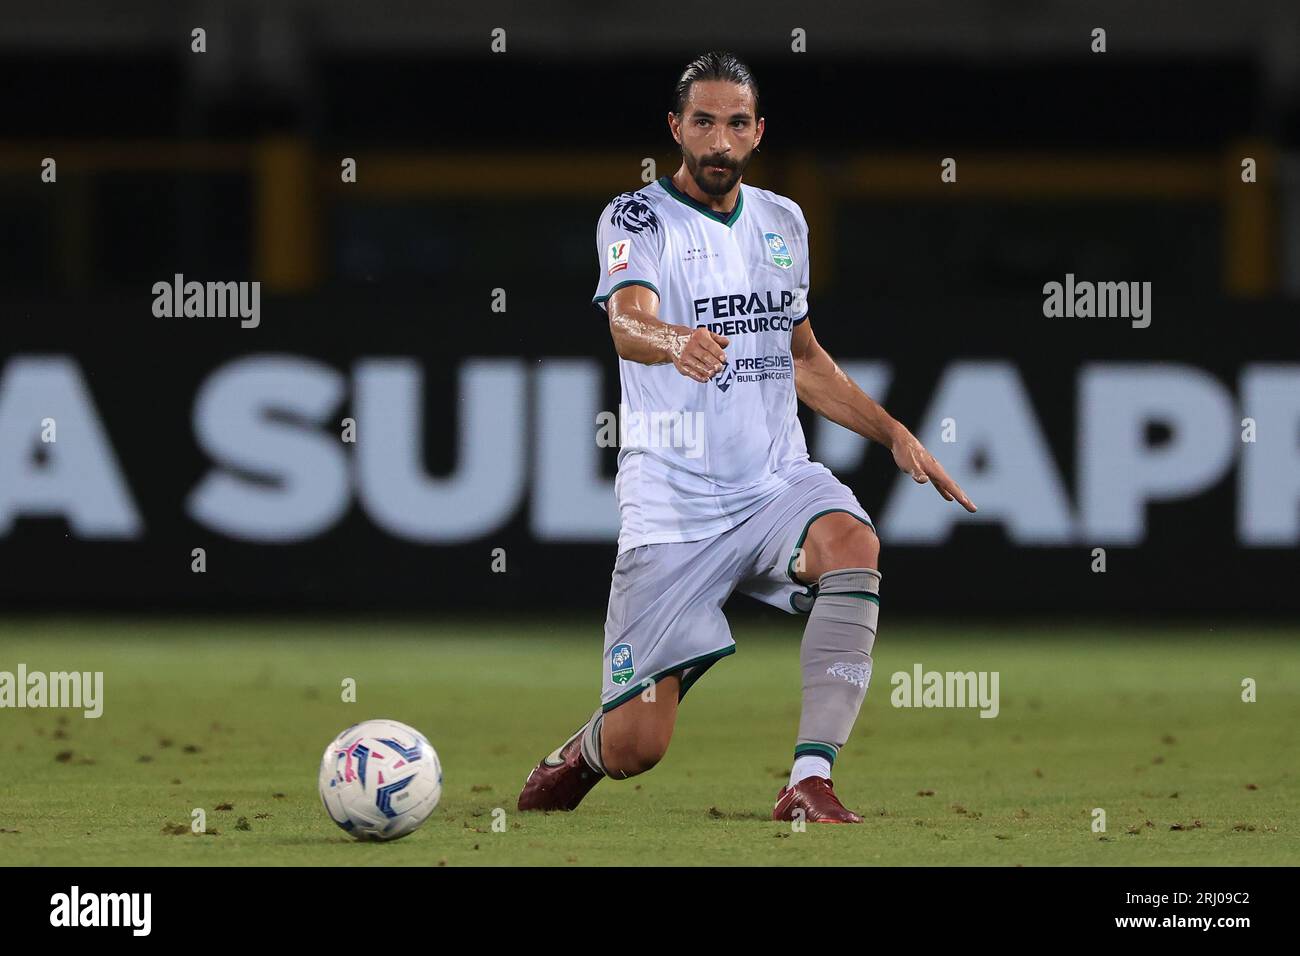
779 251
618 255
621 666
633 213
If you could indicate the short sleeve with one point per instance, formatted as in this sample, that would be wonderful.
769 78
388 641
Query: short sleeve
799 308
629 245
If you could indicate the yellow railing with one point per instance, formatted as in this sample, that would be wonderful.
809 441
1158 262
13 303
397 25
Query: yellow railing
292 180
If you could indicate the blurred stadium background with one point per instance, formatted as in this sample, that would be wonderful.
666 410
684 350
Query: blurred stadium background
480 171
475 502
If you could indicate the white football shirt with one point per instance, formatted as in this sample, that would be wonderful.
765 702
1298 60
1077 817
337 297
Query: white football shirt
698 458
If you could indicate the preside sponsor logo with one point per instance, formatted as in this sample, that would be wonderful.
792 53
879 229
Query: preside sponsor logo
761 368
758 368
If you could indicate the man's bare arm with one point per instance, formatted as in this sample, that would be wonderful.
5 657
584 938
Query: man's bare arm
823 387
640 336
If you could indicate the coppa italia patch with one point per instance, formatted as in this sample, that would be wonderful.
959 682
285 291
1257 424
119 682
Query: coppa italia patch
618 255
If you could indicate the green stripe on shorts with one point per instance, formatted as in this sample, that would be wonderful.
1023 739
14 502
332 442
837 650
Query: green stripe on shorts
641 684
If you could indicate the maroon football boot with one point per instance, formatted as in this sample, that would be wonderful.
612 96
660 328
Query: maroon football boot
561 780
816 797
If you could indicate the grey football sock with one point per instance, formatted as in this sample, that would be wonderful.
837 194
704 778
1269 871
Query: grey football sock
591 741
836 658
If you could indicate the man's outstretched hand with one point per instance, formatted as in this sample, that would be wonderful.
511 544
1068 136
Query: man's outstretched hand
912 458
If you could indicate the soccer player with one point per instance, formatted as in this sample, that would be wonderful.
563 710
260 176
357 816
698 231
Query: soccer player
704 280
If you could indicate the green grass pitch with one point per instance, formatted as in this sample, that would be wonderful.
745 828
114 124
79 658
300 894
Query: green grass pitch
1148 725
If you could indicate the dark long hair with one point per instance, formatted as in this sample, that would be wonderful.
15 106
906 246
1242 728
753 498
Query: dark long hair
717 65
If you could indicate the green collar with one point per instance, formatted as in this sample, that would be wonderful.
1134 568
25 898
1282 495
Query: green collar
728 221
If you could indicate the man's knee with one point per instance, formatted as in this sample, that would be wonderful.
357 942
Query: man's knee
635 735
629 754
861 548
837 541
